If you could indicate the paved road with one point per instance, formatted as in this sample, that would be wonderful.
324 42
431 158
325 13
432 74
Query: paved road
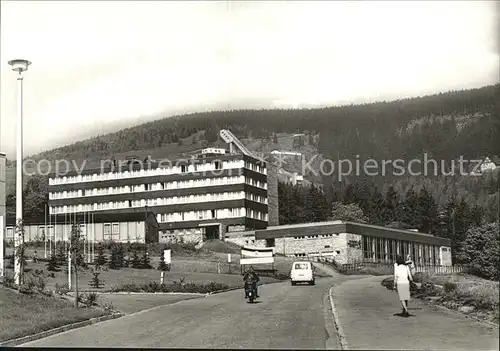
286 317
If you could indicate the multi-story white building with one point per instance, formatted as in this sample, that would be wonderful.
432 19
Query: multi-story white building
204 196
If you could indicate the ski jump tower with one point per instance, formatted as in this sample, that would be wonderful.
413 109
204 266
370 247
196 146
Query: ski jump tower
235 145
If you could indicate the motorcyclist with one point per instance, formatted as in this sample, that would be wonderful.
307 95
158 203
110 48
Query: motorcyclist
252 278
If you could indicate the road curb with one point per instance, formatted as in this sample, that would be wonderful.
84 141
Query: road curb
337 325
44 334
138 293
222 291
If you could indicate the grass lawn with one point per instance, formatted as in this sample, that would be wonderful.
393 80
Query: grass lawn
201 269
22 315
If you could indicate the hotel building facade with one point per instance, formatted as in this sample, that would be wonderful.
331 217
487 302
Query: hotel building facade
192 199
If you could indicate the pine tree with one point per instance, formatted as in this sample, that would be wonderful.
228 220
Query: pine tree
61 255
136 262
376 207
321 209
162 266
145 261
390 205
308 213
114 260
101 258
120 253
52 264
427 211
407 210
349 195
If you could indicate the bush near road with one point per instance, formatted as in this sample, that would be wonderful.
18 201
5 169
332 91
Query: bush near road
466 293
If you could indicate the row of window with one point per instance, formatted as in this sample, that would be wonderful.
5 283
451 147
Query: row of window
100 206
109 228
183 184
256 198
255 167
211 214
184 231
166 169
256 183
383 249
201 215
314 236
257 215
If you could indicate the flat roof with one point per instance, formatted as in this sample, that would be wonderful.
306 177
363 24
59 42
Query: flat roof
337 227
106 166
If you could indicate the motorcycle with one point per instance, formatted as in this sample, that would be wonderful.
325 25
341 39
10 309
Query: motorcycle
250 291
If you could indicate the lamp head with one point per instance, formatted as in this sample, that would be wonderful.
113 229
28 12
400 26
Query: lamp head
19 65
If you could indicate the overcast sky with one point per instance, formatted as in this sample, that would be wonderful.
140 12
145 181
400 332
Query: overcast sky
96 62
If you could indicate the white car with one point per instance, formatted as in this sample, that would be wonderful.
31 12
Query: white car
302 272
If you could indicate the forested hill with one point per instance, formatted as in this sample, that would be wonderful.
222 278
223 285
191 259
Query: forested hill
444 125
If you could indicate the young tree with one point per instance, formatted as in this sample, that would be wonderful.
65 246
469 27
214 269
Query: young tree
145 261
52 264
162 266
20 252
101 258
115 261
136 262
61 255
75 249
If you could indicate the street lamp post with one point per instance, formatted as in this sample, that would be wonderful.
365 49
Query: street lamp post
19 66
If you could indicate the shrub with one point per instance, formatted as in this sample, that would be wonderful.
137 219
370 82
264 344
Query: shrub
8 281
52 265
33 285
61 289
136 262
128 287
10 262
180 286
449 287
108 306
481 251
88 299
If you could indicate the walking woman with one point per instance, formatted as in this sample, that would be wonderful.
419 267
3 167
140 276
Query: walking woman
402 279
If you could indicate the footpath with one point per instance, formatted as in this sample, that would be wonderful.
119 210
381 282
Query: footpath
368 315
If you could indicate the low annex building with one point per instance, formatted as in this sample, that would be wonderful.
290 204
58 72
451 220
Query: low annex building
349 242
133 227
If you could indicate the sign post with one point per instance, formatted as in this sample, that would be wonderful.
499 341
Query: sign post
162 277
168 258
229 262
